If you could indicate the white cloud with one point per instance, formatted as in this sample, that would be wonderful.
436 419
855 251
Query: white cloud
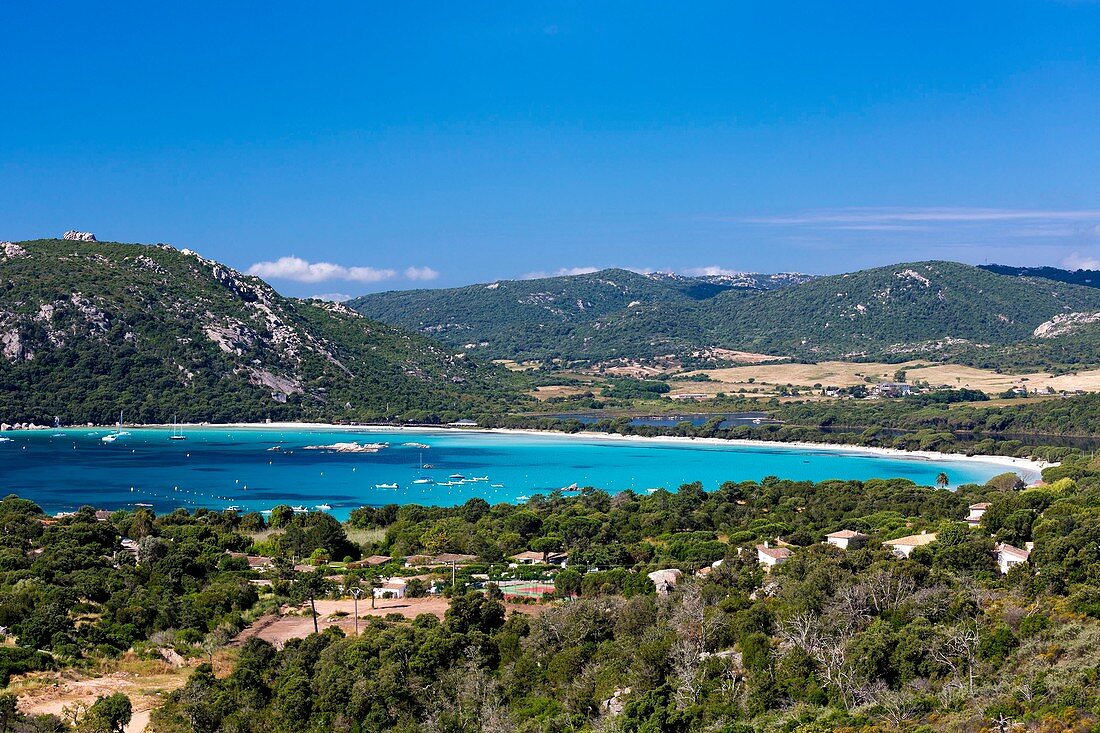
304 271
334 297
421 273
1077 261
711 270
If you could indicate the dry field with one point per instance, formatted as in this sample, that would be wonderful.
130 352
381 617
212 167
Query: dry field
278 629
768 377
560 390
144 682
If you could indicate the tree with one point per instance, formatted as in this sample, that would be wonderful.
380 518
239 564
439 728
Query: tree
109 714
567 583
310 585
942 480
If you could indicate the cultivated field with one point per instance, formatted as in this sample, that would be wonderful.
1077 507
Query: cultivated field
769 377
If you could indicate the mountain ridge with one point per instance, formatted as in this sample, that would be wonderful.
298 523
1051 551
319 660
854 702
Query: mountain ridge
933 308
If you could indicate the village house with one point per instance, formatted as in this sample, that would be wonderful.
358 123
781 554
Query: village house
391 588
769 556
1009 557
904 546
846 539
891 389
976 512
531 557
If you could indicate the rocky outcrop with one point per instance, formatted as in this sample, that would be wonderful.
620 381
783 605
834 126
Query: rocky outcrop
75 236
12 250
1064 323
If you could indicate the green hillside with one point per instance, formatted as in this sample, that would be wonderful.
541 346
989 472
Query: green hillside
921 308
88 329
932 309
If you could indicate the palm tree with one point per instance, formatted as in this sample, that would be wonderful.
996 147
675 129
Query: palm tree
942 481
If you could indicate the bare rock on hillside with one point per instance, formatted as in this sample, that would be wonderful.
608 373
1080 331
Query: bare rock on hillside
76 236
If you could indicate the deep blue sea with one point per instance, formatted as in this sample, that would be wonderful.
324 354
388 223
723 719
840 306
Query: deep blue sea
218 467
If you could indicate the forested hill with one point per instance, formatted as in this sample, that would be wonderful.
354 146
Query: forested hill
935 309
89 328
591 316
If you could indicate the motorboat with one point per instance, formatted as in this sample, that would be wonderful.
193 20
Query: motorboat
323 507
385 486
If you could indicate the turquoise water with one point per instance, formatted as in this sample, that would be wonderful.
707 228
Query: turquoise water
217 467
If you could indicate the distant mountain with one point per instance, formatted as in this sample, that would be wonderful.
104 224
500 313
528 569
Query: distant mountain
88 329
602 315
1088 278
935 309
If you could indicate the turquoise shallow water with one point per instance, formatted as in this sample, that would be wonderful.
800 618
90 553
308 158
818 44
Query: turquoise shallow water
216 467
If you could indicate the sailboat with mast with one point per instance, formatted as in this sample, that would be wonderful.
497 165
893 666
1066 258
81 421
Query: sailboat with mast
112 437
177 431
422 479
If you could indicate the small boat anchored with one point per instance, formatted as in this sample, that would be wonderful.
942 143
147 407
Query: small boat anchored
385 486
177 431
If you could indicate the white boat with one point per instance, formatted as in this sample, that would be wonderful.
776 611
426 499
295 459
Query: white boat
6 440
456 477
112 437
479 478
571 487
275 448
177 432
299 509
233 508
523 498
497 486
423 481
59 435
385 486
323 507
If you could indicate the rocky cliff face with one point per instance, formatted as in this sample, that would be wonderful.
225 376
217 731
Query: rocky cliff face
74 236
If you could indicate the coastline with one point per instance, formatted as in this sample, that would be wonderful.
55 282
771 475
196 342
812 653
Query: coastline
1029 470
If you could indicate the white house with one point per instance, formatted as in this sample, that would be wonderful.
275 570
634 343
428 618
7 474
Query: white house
1009 557
976 512
769 556
846 538
391 588
904 546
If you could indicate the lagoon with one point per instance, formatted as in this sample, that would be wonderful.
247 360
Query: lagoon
221 466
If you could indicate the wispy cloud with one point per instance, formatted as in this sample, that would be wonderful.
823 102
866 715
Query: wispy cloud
711 271
420 273
334 297
886 216
300 270
561 272
1078 261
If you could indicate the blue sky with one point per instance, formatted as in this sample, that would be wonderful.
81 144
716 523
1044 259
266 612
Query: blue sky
352 147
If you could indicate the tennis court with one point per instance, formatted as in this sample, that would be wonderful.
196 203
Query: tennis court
525 588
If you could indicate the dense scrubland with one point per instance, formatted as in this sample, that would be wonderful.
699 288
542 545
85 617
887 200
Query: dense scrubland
831 639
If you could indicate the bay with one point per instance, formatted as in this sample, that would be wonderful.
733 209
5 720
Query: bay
217 467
